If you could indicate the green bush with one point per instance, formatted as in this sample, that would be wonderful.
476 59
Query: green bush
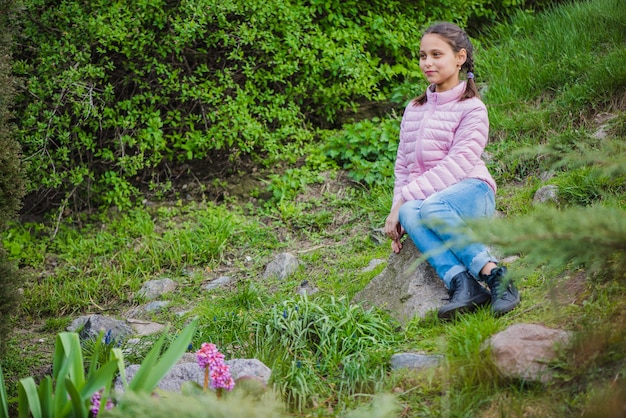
118 93
367 149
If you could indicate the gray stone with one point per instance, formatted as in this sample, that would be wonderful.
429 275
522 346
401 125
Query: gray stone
220 281
601 133
187 370
306 288
372 265
90 326
142 328
173 380
249 368
406 287
157 306
546 194
414 361
378 236
155 288
546 175
283 266
145 310
522 351
510 259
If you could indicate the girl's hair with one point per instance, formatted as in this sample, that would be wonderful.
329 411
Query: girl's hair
457 39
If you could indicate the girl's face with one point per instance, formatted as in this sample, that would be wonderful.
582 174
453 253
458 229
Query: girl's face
439 63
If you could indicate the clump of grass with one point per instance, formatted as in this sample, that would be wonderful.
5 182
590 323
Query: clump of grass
327 348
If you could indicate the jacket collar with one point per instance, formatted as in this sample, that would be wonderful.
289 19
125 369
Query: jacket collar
447 96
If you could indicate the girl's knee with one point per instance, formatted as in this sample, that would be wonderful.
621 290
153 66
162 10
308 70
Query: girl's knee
432 208
409 210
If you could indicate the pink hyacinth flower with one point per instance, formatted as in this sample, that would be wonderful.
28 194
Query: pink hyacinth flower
217 372
95 403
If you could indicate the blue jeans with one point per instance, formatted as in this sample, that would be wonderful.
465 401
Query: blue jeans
437 227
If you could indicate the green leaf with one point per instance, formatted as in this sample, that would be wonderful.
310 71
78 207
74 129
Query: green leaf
76 407
68 349
45 397
117 354
95 356
151 372
141 380
61 395
102 378
28 399
175 351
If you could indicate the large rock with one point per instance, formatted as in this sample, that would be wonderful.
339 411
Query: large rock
406 287
187 370
90 326
522 351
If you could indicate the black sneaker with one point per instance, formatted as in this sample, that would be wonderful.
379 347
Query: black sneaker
504 295
466 294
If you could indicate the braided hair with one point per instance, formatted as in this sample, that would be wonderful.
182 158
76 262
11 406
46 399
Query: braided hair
457 39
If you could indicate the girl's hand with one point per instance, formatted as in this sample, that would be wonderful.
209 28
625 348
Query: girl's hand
393 229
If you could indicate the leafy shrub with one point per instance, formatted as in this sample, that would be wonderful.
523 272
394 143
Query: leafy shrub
118 93
124 90
366 149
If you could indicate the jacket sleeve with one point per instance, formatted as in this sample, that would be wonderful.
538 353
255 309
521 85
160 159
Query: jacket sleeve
401 171
467 147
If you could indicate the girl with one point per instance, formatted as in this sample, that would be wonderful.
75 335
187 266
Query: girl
441 181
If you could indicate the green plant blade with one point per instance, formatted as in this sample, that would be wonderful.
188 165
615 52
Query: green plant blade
46 398
174 352
152 371
95 356
28 399
76 407
69 343
102 378
140 382
61 396
117 354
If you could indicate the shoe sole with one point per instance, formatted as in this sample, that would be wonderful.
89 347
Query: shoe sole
448 312
505 308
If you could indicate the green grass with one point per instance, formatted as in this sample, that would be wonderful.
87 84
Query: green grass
547 75
329 357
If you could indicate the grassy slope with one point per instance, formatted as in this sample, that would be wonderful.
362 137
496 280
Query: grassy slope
541 90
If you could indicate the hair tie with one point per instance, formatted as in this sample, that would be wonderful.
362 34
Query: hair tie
470 75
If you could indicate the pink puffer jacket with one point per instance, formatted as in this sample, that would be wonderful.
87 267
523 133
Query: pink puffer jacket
440 144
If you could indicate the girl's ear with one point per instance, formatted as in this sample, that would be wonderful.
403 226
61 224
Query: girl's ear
461 57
